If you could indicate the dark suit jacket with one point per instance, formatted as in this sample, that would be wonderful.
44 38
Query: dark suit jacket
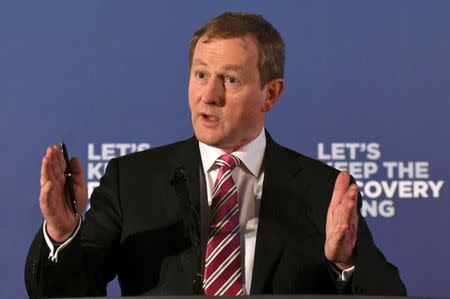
147 225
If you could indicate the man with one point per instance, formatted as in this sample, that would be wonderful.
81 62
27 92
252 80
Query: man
227 212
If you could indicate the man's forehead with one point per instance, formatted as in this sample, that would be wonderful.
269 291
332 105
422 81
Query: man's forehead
219 44
208 38
246 40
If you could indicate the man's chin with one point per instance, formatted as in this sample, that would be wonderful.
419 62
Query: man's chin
219 143
209 140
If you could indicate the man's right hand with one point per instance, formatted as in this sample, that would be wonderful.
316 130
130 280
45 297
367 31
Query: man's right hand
61 221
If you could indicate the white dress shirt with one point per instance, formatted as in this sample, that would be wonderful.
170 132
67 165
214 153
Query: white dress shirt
248 177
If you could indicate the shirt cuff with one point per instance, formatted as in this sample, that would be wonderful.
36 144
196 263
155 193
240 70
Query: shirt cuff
53 255
345 275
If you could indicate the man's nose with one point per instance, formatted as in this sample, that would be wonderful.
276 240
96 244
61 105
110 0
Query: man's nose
213 92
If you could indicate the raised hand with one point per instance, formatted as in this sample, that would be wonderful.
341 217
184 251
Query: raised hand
55 208
342 223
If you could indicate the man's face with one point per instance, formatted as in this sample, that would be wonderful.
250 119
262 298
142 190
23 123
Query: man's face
225 94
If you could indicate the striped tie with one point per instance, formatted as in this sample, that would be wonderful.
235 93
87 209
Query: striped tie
223 253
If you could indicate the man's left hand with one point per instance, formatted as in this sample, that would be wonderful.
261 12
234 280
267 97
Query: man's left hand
342 223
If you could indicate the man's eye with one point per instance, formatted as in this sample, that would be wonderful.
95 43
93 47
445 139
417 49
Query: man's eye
201 75
231 80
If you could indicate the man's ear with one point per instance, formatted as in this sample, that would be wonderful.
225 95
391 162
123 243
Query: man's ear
273 90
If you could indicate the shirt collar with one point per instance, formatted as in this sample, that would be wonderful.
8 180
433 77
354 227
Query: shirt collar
250 154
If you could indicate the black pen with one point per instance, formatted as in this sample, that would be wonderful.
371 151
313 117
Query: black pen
70 193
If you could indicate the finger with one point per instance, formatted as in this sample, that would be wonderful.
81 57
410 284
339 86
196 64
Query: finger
350 198
54 153
53 161
348 207
354 219
340 187
47 170
353 192
77 171
44 171
60 163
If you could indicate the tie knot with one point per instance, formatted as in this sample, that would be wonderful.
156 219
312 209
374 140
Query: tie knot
228 161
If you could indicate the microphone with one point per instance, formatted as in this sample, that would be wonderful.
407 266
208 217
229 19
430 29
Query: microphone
191 220
180 173
190 213
197 284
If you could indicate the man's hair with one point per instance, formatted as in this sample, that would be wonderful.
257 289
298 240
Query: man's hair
237 24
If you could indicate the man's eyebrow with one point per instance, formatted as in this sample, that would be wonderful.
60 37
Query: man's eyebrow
228 67
233 67
198 62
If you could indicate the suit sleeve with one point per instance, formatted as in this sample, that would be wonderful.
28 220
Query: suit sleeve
373 275
89 262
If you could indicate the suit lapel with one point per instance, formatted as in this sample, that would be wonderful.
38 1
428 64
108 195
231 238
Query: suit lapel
184 191
281 168
184 186
187 164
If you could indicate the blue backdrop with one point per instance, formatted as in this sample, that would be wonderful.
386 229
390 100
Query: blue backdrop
367 88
